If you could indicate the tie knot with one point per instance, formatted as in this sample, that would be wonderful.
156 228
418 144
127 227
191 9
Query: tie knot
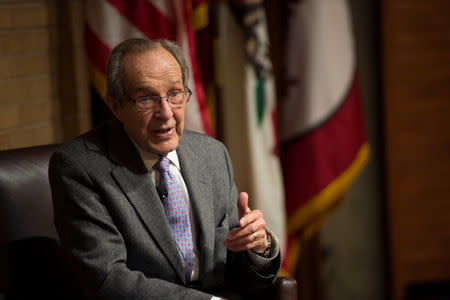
162 165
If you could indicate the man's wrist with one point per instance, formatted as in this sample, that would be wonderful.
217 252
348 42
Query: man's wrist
267 251
259 262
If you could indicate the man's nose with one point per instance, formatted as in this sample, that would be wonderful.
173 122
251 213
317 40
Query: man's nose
165 111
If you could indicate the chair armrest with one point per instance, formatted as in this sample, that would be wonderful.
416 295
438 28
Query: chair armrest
284 288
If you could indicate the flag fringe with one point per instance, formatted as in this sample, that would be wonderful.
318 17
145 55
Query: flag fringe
329 196
98 80
200 17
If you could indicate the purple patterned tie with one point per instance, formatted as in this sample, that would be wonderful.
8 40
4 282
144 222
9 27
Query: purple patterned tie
177 215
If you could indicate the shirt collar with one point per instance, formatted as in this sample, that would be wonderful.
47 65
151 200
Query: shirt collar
150 159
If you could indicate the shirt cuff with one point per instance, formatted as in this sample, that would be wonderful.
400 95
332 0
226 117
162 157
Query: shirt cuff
260 263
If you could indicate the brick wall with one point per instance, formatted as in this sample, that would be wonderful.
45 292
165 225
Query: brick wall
44 94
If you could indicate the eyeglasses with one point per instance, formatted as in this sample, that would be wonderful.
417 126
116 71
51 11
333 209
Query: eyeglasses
175 99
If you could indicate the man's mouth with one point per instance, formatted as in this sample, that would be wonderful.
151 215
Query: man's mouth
163 130
163 133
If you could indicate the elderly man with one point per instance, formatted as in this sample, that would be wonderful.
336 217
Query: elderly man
148 210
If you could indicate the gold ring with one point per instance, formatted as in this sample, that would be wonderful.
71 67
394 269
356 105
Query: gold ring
255 236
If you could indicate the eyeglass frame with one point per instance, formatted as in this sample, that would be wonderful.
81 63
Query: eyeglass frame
187 93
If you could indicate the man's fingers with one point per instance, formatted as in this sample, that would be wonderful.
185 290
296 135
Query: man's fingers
256 240
250 218
258 224
251 234
248 238
242 204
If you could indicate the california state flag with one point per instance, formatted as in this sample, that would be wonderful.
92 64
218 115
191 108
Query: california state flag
322 132
249 108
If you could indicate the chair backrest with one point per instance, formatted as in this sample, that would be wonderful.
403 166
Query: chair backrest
30 257
26 205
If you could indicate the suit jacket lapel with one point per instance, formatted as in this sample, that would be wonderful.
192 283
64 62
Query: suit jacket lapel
194 172
134 179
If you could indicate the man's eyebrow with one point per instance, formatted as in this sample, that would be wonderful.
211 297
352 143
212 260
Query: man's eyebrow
145 89
175 82
151 89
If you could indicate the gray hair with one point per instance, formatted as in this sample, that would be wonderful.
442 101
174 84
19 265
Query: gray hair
114 80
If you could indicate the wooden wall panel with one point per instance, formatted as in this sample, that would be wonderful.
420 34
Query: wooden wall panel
44 94
415 38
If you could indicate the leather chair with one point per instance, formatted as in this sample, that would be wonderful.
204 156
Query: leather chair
31 260
30 256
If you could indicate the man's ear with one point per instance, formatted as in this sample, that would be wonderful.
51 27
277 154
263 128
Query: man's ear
113 105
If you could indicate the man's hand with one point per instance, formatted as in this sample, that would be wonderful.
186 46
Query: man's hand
251 234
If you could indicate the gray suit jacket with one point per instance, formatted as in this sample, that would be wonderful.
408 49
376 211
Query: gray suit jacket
111 221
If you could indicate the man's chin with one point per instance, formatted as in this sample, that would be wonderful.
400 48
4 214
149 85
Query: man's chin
162 148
